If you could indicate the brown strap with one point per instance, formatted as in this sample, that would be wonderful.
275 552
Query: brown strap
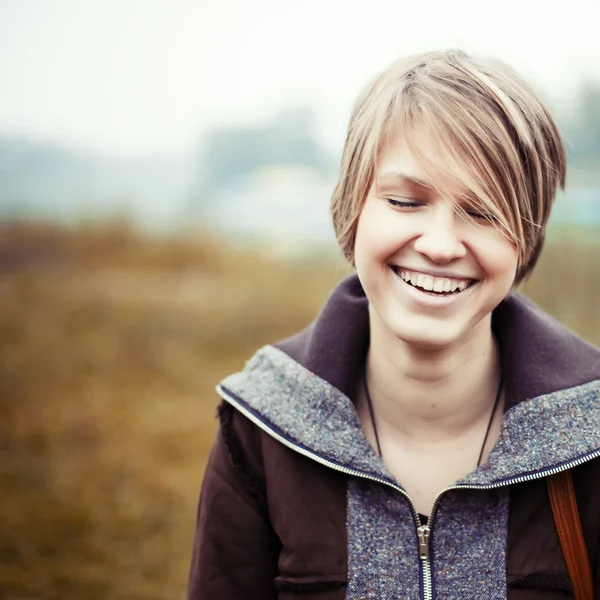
568 526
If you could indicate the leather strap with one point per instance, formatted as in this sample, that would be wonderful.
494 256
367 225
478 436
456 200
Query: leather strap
570 534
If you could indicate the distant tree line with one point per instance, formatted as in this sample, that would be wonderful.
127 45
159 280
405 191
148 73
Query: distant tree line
582 130
230 154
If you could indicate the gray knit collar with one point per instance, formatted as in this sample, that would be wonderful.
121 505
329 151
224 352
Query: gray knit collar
285 399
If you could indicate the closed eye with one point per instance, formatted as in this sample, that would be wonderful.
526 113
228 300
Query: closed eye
482 216
403 203
477 211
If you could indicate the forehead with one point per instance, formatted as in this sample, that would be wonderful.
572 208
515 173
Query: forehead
419 163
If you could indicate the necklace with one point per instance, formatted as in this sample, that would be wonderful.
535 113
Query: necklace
487 431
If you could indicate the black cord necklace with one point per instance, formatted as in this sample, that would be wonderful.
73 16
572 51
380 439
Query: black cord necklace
487 431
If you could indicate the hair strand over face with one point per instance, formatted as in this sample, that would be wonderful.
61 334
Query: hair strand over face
495 138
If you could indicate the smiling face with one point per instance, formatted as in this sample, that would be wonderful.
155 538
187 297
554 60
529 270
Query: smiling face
431 274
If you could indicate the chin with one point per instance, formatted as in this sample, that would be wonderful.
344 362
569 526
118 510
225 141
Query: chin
431 342
430 336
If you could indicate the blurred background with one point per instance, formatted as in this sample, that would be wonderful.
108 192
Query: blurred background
165 173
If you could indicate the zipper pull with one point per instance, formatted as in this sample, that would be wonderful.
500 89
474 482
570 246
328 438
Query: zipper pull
424 534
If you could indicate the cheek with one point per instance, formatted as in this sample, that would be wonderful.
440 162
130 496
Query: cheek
380 234
368 245
499 259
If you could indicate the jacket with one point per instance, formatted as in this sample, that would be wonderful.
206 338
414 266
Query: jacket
296 504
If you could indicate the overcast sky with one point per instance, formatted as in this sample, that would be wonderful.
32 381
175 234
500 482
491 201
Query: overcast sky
127 77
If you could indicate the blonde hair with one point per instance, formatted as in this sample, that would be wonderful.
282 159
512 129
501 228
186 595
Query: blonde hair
494 136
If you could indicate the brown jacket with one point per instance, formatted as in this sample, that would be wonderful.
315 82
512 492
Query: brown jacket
295 503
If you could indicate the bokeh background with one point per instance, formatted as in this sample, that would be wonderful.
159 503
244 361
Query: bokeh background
165 172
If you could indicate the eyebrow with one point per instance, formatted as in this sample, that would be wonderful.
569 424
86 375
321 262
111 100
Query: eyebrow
399 177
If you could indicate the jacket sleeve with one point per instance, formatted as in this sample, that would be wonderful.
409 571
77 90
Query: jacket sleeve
235 550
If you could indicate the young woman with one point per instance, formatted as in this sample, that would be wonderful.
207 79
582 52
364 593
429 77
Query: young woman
398 447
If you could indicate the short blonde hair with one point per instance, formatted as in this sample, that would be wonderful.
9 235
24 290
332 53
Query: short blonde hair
494 134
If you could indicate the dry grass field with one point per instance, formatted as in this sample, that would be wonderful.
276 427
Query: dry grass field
110 347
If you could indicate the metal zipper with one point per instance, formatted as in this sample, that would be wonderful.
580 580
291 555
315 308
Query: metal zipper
423 531
424 535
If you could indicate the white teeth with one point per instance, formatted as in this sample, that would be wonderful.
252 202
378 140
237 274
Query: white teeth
435 284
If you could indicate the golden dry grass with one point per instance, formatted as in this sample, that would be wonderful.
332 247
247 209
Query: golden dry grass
111 345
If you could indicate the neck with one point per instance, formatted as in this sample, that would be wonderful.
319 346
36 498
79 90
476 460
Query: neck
432 393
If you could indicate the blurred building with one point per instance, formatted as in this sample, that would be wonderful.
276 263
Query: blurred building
232 153
285 207
269 184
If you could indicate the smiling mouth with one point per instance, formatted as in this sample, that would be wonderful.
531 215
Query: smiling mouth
434 286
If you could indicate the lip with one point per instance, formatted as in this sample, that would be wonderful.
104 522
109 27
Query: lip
426 300
438 274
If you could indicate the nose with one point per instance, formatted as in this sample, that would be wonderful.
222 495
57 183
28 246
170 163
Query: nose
440 238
